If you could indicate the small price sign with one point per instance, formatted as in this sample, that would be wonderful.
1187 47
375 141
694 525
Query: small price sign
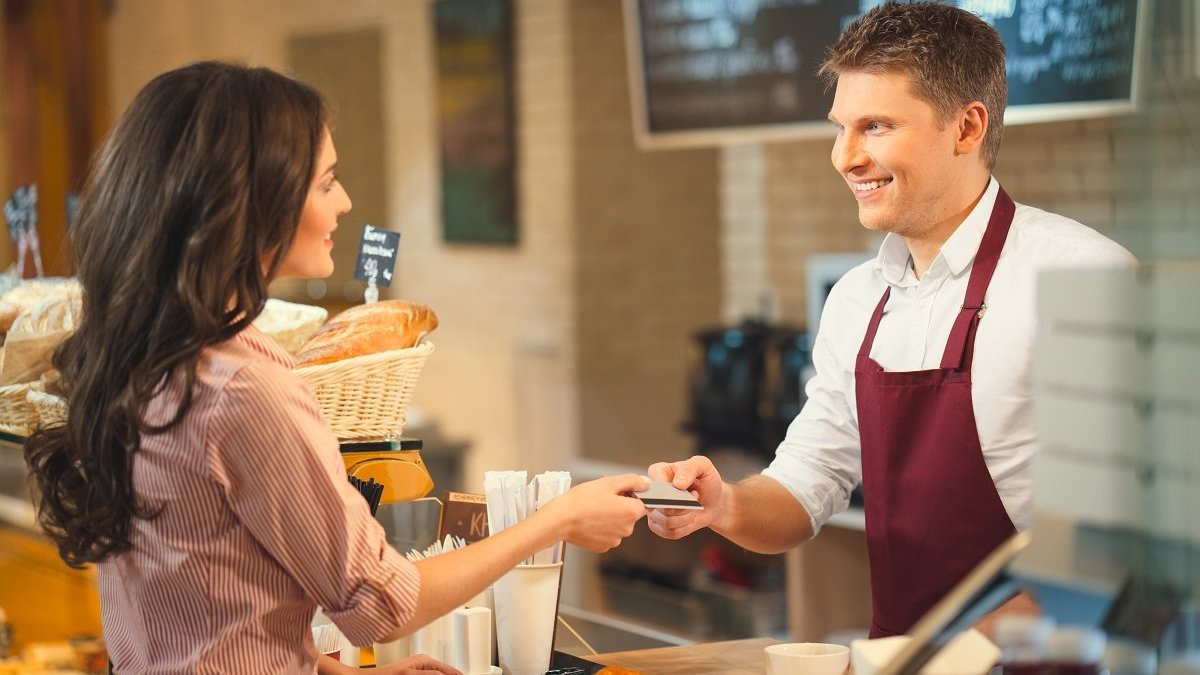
376 256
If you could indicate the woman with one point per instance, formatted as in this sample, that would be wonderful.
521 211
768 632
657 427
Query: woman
194 467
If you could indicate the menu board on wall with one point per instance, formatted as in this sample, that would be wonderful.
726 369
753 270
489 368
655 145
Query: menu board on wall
712 71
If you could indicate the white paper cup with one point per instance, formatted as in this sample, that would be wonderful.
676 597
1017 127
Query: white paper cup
526 609
807 658
434 639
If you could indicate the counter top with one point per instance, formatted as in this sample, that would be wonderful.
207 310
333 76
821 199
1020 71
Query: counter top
734 657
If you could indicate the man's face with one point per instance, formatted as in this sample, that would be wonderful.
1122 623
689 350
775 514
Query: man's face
900 162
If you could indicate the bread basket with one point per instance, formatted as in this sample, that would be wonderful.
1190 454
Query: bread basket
17 414
366 397
51 409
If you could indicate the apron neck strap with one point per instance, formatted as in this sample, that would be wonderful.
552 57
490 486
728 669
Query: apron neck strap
960 346
864 349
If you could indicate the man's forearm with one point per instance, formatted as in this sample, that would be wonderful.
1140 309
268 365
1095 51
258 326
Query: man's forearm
761 515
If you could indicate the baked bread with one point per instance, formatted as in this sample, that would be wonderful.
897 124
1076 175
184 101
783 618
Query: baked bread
368 329
31 292
8 314
55 313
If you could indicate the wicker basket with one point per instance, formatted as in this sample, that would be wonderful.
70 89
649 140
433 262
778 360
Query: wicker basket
366 397
51 409
16 412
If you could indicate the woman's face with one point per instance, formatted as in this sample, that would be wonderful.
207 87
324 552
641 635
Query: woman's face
310 255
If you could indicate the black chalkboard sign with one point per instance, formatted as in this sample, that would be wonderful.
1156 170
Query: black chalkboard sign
710 71
376 255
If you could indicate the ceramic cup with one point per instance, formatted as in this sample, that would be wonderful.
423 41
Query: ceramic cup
807 658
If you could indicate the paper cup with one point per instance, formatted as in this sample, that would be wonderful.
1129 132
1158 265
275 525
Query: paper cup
434 639
807 658
526 609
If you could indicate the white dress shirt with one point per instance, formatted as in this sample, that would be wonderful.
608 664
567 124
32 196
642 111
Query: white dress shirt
258 526
819 460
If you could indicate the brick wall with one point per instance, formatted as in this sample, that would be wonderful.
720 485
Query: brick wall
648 262
503 376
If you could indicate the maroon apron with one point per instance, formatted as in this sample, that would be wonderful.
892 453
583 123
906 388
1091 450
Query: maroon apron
932 509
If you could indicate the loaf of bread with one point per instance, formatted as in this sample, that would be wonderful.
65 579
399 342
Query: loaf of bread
368 329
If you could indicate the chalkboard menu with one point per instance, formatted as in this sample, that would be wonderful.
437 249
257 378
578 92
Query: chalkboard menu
709 71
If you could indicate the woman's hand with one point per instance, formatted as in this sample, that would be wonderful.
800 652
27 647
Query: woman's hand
698 476
417 664
598 514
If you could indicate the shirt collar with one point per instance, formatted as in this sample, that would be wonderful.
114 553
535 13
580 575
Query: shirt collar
267 346
893 261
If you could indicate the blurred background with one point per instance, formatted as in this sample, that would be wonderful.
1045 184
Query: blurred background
613 294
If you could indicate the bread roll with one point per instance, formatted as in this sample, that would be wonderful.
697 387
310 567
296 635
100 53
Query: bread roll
368 329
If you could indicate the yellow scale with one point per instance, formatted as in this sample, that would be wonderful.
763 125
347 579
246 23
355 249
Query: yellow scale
397 464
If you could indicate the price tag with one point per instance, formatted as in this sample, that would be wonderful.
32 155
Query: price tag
376 256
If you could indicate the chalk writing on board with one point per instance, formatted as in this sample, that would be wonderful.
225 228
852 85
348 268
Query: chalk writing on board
742 64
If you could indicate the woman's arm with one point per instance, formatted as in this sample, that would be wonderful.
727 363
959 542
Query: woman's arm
595 515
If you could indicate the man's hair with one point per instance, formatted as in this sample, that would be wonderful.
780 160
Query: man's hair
951 55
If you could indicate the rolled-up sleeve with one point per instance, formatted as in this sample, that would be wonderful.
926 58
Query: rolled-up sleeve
278 462
819 461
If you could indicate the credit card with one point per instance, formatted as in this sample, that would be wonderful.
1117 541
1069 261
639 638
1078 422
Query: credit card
663 495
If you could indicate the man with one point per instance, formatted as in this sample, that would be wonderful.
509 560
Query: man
923 385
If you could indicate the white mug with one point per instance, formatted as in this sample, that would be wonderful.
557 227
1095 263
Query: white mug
807 658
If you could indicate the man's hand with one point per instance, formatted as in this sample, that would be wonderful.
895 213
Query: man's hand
698 476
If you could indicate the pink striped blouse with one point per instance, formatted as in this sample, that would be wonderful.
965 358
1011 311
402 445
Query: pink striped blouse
258 527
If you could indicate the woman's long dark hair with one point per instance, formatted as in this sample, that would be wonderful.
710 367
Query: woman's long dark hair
190 208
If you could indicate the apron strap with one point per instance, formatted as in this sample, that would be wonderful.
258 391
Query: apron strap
960 346
869 340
